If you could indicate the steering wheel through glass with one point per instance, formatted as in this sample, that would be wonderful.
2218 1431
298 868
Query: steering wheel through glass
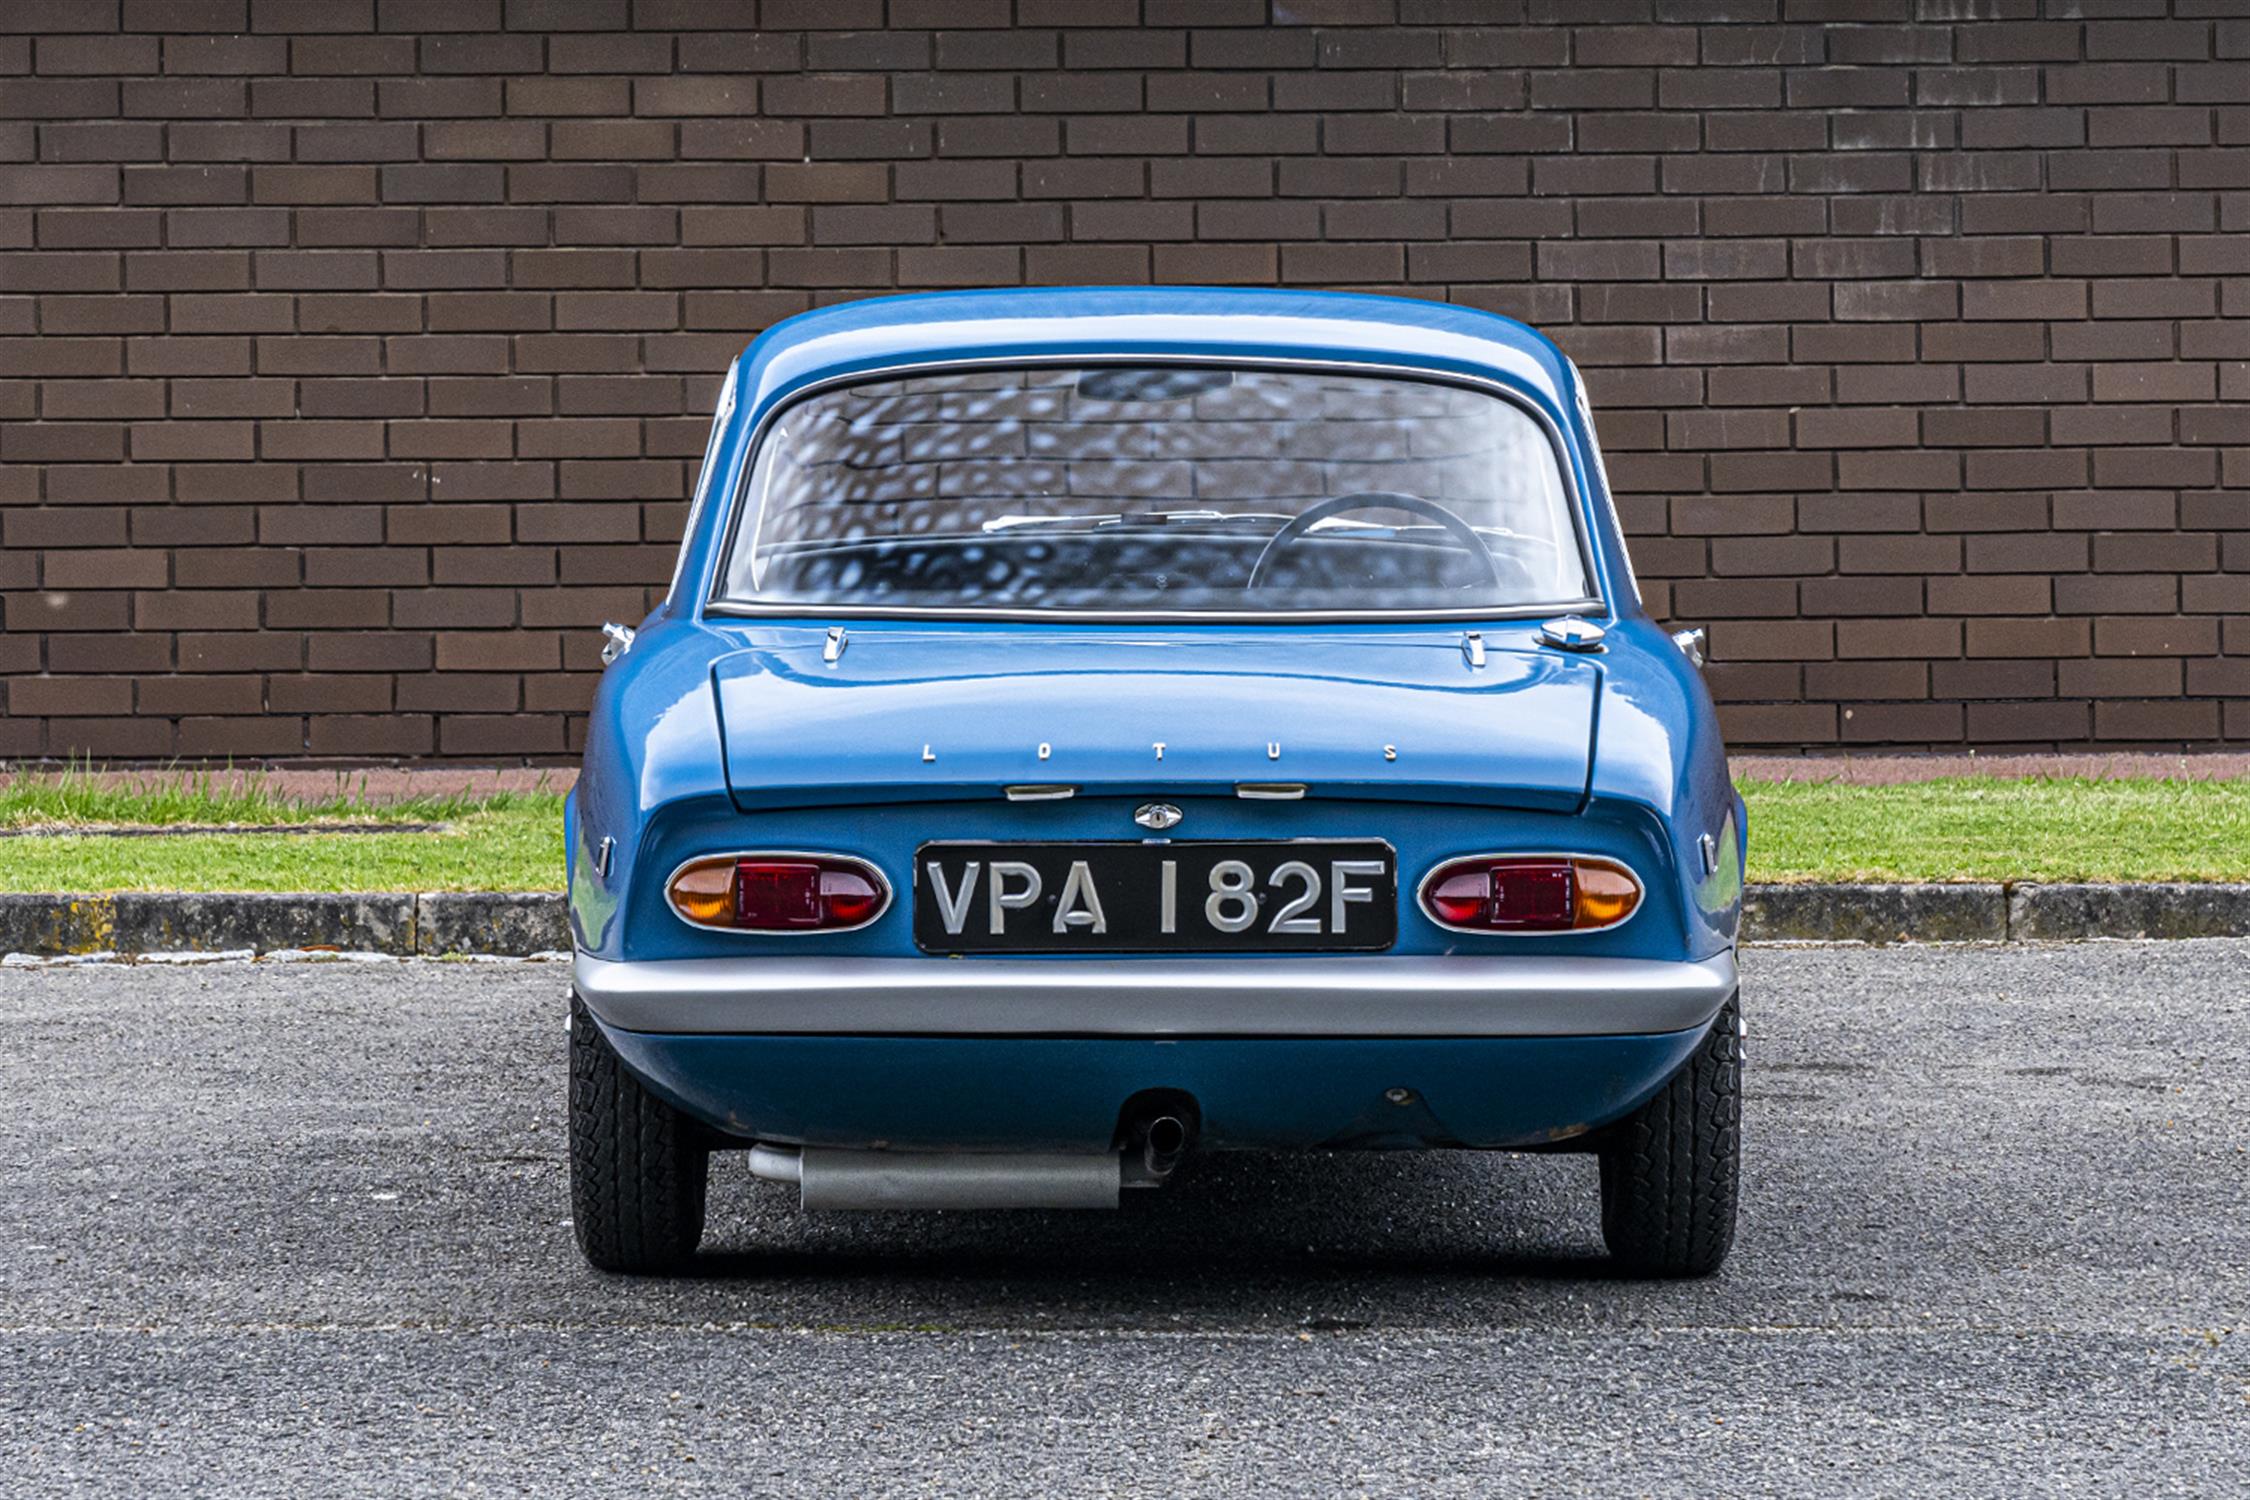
1297 529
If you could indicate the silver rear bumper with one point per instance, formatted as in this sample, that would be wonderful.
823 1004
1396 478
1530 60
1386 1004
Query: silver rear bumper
1379 996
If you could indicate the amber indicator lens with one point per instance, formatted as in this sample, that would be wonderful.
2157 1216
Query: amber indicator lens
704 894
1530 893
1605 895
778 893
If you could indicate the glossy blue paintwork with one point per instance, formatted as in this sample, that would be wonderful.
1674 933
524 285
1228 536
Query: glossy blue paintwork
1425 835
924 712
717 733
1067 1093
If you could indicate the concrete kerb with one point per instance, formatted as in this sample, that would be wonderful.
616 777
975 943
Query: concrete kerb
402 924
522 923
497 922
2171 909
2012 911
1875 913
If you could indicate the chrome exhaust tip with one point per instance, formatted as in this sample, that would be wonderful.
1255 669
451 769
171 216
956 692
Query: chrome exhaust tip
1163 1144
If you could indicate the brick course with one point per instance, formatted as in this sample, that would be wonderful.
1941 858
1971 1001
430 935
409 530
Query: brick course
354 354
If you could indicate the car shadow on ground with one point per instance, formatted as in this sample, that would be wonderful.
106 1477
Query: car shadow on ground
1258 1218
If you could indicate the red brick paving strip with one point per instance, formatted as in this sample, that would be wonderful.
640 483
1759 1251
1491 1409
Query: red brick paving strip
355 356
376 784
1894 770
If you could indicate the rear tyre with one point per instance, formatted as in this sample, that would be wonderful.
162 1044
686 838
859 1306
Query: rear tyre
638 1167
1671 1170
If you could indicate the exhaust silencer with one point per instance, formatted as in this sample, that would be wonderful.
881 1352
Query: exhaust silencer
830 1178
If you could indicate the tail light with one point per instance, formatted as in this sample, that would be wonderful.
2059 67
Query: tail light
778 892
1530 893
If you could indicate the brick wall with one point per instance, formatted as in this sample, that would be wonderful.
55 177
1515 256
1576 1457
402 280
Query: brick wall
353 352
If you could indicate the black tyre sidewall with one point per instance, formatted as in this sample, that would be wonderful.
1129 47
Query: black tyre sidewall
639 1168
1671 1171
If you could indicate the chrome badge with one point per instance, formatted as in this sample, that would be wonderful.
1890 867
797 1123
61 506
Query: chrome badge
1157 815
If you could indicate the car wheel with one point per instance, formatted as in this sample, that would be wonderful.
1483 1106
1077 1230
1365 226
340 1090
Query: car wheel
638 1167
1671 1170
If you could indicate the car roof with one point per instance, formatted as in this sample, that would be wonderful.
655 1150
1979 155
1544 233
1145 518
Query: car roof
1249 324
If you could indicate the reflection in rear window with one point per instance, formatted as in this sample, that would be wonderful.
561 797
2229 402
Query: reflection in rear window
1163 488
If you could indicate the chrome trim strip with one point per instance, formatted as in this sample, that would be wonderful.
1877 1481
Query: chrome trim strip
1387 995
729 525
734 609
1039 793
1422 892
705 479
882 883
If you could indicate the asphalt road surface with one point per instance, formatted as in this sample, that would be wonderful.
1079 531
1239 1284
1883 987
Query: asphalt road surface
302 1230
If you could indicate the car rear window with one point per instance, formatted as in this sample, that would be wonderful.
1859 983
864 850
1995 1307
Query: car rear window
1163 488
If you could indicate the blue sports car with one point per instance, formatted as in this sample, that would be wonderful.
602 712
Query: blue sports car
1091 727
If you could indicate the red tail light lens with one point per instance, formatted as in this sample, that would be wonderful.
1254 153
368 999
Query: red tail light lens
1530 893
778 892
770 894
848 898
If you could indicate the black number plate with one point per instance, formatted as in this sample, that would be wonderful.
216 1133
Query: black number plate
1276 896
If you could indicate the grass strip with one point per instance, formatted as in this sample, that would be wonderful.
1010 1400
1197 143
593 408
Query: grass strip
1965 828
513 848
208 795
1985 828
